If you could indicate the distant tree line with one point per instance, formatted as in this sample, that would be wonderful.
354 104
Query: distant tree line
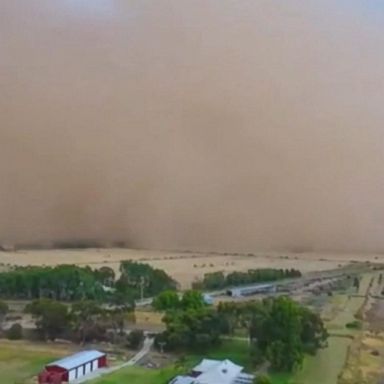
73 283
67 244
218 280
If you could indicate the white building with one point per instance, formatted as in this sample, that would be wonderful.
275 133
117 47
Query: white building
215 372
73 367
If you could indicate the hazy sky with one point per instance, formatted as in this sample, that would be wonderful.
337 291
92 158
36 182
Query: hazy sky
221 124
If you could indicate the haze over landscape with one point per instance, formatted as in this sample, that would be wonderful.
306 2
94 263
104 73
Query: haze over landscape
205 124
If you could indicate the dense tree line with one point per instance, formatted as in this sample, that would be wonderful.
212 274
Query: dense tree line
190 323
73 283
81 321
190 330
63 282
281 331
218 280
144 279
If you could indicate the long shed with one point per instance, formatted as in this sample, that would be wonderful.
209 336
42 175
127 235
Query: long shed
73 367
249 290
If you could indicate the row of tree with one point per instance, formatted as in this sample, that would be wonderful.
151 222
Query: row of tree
281 331
63 282
72 283
80 321
218 280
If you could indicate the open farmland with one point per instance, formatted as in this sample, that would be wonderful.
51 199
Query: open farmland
20 361
185 267
328 363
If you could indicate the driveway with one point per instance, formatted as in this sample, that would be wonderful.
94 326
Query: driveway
147 345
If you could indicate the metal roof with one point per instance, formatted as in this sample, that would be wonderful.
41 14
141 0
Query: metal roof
205 365
183 380
77 360
223 372
248 289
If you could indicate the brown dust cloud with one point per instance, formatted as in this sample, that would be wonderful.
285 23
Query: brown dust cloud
193 124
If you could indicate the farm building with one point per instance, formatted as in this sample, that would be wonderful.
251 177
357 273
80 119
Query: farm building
73 367
251 290
214 372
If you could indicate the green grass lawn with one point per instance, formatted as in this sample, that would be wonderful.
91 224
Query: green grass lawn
17 364
137 375
326 365
235 350
281 378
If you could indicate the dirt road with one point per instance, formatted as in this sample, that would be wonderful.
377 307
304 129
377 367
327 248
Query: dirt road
147 345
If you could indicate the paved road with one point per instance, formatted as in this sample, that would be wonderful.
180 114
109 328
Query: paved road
147 345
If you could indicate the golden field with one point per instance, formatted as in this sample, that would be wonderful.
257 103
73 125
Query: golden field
186 267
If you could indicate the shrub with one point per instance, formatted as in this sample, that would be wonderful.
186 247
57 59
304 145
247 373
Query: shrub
135 339
15 332
262 379
354 325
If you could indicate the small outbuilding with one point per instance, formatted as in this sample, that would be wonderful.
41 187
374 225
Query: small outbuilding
73 367
250 290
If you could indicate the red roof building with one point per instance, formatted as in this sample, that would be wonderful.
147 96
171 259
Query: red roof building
73 367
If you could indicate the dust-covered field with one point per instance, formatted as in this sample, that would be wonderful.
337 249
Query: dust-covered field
187 266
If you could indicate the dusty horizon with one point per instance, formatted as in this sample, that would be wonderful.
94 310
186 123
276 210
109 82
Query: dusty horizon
193 124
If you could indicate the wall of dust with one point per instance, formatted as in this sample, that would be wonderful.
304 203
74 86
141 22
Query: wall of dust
206 124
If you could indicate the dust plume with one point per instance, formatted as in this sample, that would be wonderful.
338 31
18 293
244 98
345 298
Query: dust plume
206 124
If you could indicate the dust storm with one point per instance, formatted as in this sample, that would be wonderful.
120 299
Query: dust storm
200 124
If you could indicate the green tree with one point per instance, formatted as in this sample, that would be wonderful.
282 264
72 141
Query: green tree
284 327
85 316
166 300
3 312
105 275
117 319
282 331
214 280
62 282
356 283
192 300
313 332
15 332
51 317
217 280
142 278
191 329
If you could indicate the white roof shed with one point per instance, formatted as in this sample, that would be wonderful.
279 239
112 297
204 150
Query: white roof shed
77 360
